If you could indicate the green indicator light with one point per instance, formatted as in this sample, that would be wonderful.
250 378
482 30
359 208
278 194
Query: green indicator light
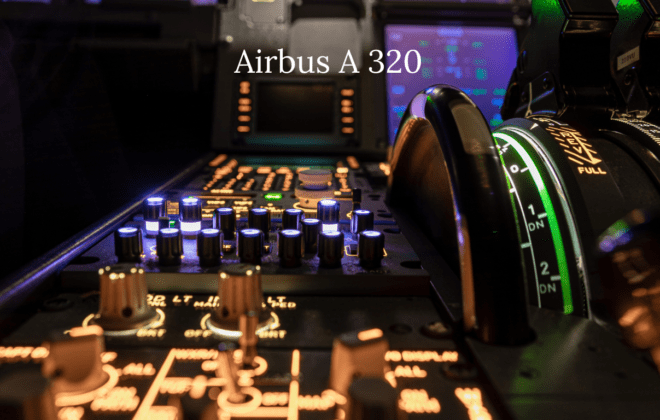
172 223
552 219
273 196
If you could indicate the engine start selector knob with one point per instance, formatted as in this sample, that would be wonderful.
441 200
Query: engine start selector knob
224 219
250 246
259 219
169 246
331 249
371 245
290 248
153 208
190 215
128 244
209 247
123 304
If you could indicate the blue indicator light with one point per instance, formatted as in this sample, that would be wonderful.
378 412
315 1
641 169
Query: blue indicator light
398 89
291 232
371 233
190 201
225 210
251 232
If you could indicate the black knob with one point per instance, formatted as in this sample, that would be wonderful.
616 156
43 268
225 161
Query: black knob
331 248
128 244
361 220
209 247
250 246
259 219
328 213
190 215
370 248
169 246
153 208
310 232
291 219
372 398
224 219
290 247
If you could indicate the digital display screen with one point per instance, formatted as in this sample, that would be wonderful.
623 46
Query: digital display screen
295 108
477 60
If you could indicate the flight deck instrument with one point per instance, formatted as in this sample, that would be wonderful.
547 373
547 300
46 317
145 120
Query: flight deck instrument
475 241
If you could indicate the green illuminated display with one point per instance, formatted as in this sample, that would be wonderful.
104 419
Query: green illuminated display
273 196
548 207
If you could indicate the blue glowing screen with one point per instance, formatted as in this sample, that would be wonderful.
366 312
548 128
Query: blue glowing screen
478 60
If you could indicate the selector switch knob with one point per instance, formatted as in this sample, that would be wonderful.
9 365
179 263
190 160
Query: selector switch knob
240 293
361 220
331 249
371 244
153 208
224 219
169 246
372 398
209 247
310 233
250 246
328 213
290 248
292 218
26 395
128 244
75 363
123 304
358 353
259 219
190 215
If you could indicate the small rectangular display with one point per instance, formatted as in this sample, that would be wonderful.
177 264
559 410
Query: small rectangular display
295 108
477 60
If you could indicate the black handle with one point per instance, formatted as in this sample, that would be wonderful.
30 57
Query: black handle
445 169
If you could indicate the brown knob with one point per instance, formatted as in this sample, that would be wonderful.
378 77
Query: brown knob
123 304
74 363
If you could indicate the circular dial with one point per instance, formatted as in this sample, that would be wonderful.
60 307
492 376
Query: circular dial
548 236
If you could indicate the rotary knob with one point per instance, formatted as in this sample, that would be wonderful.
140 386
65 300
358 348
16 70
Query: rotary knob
190 215
250 246
74 363
372 398
331 249
240 293
310 233
209 247
292 218
169 246
361 220
358 353
26 395
328 213
224 219
153 208
290 248
128 244
123 304
260 219
371 244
